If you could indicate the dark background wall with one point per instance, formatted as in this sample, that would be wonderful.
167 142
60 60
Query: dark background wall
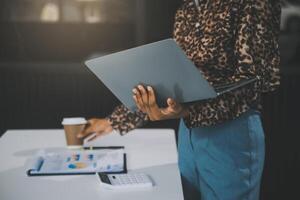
43 79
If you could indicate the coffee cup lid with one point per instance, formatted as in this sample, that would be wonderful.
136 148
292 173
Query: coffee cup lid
74 121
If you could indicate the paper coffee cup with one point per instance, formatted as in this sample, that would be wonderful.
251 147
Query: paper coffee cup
72 127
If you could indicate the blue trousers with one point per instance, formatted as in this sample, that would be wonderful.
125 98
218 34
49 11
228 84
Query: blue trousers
224 161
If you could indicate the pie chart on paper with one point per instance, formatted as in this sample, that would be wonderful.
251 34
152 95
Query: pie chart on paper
79 165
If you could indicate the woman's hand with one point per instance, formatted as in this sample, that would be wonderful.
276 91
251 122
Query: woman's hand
97 126
146 102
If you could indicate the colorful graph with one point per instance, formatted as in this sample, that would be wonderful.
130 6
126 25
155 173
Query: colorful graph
79 165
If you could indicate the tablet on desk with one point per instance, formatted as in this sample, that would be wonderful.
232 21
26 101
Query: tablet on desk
162 65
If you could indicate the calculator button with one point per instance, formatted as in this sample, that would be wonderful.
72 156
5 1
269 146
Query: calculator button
127 181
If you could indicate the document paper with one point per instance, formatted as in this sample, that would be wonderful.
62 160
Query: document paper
80 161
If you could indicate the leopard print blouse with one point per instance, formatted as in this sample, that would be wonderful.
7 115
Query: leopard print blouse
228 41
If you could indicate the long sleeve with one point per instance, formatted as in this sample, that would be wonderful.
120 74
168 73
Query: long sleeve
123 120
256 54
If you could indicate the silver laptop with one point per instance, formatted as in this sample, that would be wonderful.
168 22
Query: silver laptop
162 65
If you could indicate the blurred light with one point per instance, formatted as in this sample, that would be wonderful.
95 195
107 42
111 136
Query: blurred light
91 14
89 0
50 12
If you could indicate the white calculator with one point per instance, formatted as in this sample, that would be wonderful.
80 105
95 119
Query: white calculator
124 181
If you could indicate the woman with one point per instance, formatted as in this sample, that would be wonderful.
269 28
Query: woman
221 140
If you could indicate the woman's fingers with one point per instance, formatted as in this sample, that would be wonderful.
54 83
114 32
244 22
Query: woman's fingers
144 94
97 126
173 108
152 105
151 98
145 100
96 135
88 129
141 98
137 103
138 100
172 104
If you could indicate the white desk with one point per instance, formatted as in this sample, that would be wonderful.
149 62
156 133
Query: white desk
152 151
